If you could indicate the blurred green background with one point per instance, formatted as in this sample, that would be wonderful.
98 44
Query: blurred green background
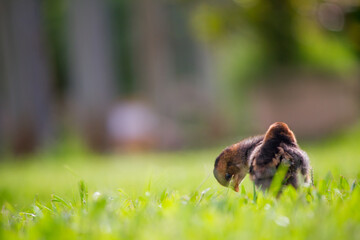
130 76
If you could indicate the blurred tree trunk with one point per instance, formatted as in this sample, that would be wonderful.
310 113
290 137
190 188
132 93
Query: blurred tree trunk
91 69
151 49
26 76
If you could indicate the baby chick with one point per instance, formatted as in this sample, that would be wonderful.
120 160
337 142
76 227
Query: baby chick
261 156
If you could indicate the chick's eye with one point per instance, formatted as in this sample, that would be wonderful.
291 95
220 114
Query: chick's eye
228 176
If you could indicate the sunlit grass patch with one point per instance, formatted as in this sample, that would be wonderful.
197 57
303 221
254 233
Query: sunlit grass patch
204 213
175 196
327 209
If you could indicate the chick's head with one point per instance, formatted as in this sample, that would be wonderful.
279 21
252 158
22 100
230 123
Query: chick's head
230 169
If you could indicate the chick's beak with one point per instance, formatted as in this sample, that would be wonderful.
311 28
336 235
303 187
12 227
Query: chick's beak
234 183
236 180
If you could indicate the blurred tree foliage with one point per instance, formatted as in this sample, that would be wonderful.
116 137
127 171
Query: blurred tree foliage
271 21
289 33
352 29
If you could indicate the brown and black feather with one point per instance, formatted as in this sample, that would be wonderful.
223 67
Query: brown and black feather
278 147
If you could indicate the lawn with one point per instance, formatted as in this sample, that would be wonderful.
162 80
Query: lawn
69 195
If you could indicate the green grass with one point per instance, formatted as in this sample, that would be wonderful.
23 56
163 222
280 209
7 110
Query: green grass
175 196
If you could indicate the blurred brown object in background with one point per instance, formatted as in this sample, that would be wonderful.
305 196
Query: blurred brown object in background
312 104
